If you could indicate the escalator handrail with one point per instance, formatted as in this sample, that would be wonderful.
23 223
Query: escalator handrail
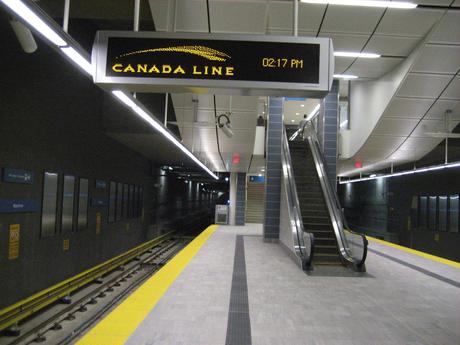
337 217
303 250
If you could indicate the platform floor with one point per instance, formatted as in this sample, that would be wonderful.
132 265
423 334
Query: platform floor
402 299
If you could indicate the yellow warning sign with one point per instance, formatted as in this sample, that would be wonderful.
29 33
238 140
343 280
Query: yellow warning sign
13 247
98 222
66 245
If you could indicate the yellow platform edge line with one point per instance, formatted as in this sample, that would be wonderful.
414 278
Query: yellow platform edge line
416 252
120 323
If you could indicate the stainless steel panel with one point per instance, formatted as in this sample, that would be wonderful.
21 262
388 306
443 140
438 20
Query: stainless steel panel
131 202
119 212
442 213
82 221
125 201
422 215
49 207
453 213
112 201
68 197
432 208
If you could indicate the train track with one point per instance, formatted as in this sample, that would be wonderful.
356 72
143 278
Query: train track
69 322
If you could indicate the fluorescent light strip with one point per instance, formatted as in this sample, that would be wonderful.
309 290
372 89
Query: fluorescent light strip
76 57
345 76
365 3
357 55
35 21
131 103
406 172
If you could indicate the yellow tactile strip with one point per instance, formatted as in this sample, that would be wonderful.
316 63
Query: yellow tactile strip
117 326
416 252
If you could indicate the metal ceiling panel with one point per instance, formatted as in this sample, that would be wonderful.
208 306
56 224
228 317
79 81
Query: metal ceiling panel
415 23
341 64
238 17
191 16
437 58
350 19
423 85
449 30
374 68
391 45
438 110
344 42
453 90
388 143
395 126
408 107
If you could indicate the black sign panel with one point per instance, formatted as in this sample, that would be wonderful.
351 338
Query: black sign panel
213 60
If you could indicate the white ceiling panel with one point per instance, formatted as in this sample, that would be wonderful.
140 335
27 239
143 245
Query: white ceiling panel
395 126
433 2
429 126
423 85
453 90
160 12
344 42
280 16
415 22
373 68
438 59
191 16
351 19
449 29
369 155
438 110
388 143
341 64
391 45
310 16
418 145
238 17
408 107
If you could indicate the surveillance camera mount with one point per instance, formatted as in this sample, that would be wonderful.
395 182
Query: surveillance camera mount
227 120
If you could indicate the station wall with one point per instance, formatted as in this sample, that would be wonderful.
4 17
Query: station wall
51 121
390 209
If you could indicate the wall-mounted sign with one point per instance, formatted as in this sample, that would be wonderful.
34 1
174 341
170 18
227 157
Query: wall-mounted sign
98 202
101 184
18 176
98 222
19 206
66 245
13 243
257 179
264 65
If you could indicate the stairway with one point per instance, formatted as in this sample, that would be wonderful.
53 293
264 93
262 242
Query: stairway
255 198
313 207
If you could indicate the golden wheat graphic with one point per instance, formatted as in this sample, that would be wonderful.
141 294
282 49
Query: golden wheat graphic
206 52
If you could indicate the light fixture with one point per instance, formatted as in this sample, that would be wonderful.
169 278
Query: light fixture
262 170
372 175
226 179
260 175
345 76
343 123
130 102
302 105
24 35
170 168
24 12
406 172
292 120
76 57
365 3
357 55
297 113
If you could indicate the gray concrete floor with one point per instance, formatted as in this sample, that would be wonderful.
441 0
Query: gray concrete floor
390 304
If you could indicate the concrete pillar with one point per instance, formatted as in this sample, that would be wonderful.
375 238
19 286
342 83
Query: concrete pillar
273 169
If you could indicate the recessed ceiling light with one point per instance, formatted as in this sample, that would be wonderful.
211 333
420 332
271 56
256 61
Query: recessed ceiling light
365 3
292 120
357 55
262 170
345 76
302 105
297 113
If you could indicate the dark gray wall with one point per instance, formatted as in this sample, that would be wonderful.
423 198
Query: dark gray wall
51 120
382 208
240 204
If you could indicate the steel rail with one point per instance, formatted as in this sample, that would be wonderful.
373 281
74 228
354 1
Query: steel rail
17 312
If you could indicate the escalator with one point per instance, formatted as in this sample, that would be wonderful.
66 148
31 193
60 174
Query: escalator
318 226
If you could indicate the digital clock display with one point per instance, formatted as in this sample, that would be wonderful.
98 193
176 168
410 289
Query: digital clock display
151 57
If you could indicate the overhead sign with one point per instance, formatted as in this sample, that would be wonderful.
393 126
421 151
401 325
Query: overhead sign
266 65
18 176
19 206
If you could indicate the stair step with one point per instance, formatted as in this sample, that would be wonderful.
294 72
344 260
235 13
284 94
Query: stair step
325 241
322 258
326 249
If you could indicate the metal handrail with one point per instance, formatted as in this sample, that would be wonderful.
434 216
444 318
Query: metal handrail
303 241
333 204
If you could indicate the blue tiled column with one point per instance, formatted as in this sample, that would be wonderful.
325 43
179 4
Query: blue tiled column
273 169
331 126
240 205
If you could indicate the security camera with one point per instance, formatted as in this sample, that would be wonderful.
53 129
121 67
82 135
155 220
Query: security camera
225 125
24 36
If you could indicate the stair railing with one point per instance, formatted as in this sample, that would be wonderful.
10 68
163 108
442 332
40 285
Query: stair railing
352 245
303 241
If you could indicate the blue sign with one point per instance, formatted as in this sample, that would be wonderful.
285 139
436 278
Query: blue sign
18 176
19 206
257 179
294 99
101 184
98 202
